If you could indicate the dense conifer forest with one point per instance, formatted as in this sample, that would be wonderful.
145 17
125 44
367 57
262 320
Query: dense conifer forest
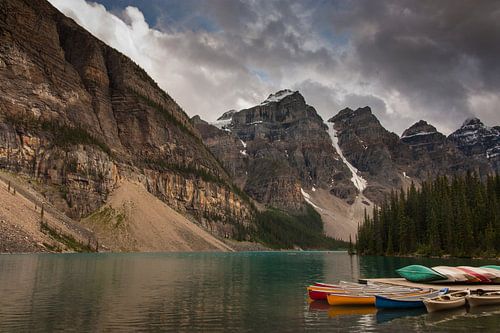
457 216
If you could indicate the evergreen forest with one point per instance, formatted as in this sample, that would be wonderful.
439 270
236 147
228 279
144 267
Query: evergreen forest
457 216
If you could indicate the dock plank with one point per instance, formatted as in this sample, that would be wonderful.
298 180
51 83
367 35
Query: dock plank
451 286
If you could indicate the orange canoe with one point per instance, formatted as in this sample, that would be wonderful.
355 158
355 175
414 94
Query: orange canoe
349 299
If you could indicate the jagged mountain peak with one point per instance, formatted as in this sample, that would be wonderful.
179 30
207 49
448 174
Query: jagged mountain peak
473 138
360 115
364 110
279 96
284 106
227 115
473 130
472 122
348 112
419 128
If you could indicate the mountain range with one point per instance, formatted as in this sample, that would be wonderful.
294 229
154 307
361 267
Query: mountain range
79 122
283 154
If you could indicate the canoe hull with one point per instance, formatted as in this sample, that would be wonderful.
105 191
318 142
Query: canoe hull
475 300
316 294
319 293
419 273
338 299
387 303
409 302
434 305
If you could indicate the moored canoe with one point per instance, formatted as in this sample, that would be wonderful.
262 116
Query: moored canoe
486 298
340 285
321 292
350 299
478 273
318 293
495 274
419 273
368 298
452 274
405 302
491 266
446 302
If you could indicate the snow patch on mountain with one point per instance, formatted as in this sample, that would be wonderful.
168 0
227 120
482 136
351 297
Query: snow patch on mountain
493 152
222 124
307 198
244 151
358 181
416 134
224 121
277 96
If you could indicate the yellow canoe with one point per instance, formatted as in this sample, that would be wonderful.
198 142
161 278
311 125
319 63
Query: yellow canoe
349 299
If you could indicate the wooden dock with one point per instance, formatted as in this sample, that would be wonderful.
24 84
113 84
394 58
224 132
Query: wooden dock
453 287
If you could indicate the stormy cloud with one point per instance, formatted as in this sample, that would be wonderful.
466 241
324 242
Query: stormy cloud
408 60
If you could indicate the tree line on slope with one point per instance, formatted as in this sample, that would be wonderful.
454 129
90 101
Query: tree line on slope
457 216
280 230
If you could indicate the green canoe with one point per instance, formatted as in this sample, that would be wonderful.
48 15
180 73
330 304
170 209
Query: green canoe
491 266
419 273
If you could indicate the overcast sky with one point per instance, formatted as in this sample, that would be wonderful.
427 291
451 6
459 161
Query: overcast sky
407 60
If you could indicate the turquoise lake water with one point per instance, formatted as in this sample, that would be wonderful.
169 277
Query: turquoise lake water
210 292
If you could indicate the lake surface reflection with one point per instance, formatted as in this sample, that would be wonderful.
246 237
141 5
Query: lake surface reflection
259 291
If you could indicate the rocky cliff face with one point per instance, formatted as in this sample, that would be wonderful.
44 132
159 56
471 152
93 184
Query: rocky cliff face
478 141
276 148
76 115
434 154
378 154
389 162
227 147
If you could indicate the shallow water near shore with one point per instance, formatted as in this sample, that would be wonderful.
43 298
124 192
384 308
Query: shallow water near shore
246 291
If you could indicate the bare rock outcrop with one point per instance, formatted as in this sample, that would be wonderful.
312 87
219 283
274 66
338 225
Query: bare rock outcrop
76 115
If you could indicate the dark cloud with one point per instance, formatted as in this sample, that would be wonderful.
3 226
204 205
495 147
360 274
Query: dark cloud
355 101
437 55
408 60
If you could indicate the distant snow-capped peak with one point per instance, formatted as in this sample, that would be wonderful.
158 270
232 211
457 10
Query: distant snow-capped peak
276 97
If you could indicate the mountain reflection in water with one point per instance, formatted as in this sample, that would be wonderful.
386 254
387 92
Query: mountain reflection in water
220 292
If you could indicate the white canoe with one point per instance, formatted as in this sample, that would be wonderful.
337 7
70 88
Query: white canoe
452 274
446 302
487 298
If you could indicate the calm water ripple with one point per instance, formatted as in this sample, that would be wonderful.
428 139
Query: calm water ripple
210 292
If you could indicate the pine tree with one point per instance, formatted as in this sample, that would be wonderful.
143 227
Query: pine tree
350 249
